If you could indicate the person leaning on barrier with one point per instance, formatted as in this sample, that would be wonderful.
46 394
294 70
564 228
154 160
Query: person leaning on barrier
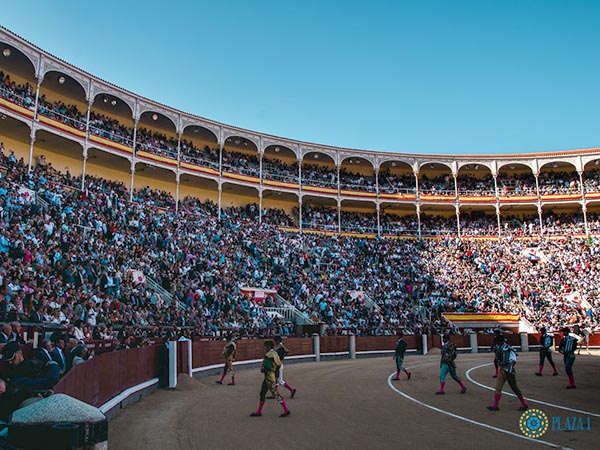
31 373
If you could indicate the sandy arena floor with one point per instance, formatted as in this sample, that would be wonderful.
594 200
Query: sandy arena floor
354 405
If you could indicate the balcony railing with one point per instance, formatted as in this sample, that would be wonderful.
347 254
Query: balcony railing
249 171
76 123
26 102
114 137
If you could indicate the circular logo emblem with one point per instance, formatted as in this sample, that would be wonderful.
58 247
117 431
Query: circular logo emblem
533 423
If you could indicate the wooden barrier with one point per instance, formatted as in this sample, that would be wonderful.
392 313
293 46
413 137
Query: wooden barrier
99 379
334 344
108 374
375 343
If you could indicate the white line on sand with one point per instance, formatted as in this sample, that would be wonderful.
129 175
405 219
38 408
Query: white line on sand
552 405
466 419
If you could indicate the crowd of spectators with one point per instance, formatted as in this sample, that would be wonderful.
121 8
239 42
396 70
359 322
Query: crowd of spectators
552 183
207 156
239 162
515 185
319 175
276 169
156 142
391 183
356 181
97 264
471 185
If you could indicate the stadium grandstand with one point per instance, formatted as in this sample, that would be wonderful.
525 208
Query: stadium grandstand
125 223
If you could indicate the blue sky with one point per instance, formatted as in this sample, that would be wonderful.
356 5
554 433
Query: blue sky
421 76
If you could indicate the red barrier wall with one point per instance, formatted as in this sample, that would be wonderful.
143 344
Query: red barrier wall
105 376
369 344
333 344
299 346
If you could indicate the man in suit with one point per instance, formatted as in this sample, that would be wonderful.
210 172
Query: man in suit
5 332
30 373
70 347
43 353
36 315
57 354
16 333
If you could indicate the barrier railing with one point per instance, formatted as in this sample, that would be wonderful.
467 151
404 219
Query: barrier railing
106 376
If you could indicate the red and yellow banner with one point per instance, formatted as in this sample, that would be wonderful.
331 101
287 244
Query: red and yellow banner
562 197
518 199
62 126
482 317
398 196
16 108
157 158
201 169
110 144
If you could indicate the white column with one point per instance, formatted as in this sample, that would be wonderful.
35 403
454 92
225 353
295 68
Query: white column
539 202
172 346
132 178
419 219
134 149
524 342
473 342
31 141
498 218
260 205
352 346
219 208
339 214
424 343
189 356
458 219
177 183
300 213
40 79
583 204
87 140
316 347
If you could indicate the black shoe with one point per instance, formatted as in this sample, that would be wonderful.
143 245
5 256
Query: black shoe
571 387
555 374
293 393
538 374
523 408
440 393
219 382
285 414
493 408
256 414
408 375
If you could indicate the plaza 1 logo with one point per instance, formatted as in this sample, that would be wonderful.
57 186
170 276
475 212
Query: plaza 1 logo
534 423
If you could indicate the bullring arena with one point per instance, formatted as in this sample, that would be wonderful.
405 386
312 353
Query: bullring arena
135 237
354 404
